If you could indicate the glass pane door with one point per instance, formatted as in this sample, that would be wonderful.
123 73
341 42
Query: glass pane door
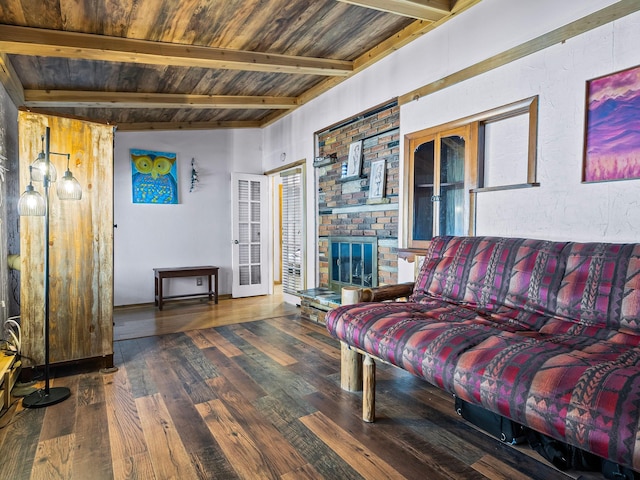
249 223
452 185
423 191
438 184
353 262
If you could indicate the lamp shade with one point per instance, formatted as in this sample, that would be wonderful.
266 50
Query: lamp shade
68 187
42 167
31 203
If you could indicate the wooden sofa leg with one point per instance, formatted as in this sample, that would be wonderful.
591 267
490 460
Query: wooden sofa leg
350 360
369 390
350 369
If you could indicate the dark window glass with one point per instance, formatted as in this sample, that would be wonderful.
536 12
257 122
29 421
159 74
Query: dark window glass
423 177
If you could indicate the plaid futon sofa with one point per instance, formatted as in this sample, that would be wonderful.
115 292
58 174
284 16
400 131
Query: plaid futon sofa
544 333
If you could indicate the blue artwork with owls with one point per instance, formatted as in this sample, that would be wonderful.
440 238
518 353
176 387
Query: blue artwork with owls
154 177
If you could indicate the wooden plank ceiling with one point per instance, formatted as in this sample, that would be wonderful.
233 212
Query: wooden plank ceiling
166 64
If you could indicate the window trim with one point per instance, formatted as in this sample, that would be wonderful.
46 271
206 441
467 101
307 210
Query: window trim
474 159
466 130
527 106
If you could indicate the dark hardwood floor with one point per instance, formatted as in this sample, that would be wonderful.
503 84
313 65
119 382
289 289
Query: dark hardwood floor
250 400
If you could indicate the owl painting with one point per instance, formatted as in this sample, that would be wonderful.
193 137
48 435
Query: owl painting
154 177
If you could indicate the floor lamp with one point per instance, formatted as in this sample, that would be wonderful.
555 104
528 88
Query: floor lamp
32 203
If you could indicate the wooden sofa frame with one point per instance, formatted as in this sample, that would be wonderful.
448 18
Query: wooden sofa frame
357 367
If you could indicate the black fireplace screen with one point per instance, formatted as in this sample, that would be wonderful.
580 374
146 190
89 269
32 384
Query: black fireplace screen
354 262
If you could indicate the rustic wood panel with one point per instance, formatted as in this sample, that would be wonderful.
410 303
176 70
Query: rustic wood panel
270 350
353 452
282 457
92 447
61 422
260 420
60 448
242 382
80 246
211 338
19 442
125 430
162 438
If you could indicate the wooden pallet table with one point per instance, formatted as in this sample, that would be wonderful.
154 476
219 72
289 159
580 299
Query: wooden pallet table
316 302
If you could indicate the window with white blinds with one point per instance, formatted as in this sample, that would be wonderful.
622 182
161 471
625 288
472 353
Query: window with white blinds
292 231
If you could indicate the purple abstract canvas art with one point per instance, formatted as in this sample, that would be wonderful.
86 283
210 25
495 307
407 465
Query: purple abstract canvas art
612 144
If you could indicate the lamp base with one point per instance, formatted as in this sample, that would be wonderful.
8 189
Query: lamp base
40 398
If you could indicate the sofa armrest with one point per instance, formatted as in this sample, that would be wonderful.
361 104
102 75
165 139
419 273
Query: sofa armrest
387 292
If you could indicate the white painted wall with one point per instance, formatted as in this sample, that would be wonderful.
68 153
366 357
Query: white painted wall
197 231
562 208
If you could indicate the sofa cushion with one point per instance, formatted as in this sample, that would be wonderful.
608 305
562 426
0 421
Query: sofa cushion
601 286
519 319
423 338
489 273
556 326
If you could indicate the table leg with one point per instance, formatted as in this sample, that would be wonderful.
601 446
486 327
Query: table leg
160 293
216 285
155 281
210 298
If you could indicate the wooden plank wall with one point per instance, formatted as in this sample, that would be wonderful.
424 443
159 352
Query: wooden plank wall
4 270
80 245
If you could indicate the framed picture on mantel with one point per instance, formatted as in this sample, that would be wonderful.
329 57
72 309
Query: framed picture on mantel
354 164
612 127
377 179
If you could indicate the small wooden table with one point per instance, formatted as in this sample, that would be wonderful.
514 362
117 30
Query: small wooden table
208 271
316 302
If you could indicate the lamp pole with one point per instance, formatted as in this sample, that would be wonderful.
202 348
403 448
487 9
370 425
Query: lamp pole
46 396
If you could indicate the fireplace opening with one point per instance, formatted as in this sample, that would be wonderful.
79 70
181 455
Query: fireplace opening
353 262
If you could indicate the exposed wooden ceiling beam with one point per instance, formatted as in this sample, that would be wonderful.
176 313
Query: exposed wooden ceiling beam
92 99
9 78
54 43
141 126
429 10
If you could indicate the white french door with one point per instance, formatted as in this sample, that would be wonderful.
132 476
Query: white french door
249 218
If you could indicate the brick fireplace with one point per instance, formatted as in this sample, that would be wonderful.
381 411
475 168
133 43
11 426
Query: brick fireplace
344 207
347 214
